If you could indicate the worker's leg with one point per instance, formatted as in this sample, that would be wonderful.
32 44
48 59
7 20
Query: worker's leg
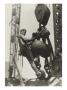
31 61
38 73
46 61
46 66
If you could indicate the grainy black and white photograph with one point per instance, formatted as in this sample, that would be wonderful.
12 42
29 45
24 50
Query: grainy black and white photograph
33 45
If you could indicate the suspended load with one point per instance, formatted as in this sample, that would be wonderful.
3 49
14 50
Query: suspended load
42 13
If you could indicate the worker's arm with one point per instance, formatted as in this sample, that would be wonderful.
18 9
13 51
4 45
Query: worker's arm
21 37
30 39
25 39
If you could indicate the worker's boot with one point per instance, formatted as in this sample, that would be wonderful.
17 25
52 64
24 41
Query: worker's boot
37 62
38 65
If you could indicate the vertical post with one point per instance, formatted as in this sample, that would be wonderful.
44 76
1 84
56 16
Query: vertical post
57 15
15 24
